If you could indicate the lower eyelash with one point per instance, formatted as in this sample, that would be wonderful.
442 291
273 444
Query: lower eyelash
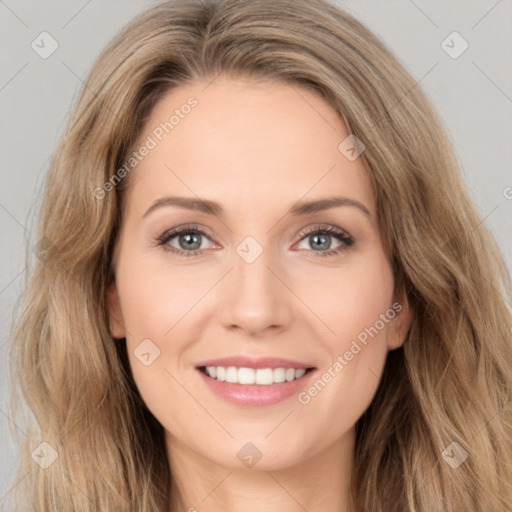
330 252
346 240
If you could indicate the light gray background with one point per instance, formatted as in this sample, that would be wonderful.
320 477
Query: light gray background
473 94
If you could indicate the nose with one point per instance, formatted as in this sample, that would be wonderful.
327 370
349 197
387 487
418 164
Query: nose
254 297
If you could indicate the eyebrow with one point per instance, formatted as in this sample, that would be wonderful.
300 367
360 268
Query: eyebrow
214 208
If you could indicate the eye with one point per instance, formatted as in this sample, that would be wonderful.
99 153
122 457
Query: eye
319 237
188 236
189 240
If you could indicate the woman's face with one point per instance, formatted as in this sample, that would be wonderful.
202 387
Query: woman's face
273 275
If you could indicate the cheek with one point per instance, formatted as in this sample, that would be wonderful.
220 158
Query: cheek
156 302
367 298
355 355
156 294
351 299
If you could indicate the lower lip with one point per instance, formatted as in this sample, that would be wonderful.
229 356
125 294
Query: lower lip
256 395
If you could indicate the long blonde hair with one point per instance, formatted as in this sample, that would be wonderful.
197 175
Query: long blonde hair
450 383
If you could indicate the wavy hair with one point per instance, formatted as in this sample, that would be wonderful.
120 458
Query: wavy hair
449 383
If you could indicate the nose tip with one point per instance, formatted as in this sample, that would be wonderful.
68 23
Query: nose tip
254 299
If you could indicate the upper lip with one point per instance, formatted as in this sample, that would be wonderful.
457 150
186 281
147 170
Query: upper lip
249 362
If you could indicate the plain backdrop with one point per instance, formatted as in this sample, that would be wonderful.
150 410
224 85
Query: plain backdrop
473 94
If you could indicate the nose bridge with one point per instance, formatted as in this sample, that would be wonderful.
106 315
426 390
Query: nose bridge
254 297
251 270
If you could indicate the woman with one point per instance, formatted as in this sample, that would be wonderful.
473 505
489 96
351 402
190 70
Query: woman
192 339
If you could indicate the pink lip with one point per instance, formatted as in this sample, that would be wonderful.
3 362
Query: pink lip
248 362
255 395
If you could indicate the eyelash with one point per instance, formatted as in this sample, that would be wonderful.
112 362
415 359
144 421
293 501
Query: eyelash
342 236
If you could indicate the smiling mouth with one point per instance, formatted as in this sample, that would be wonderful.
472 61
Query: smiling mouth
253 376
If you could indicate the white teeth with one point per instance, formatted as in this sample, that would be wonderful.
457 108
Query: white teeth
279 375
246 376
260 376
299 373
264 376
231 374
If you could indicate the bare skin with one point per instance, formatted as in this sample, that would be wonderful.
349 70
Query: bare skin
257 149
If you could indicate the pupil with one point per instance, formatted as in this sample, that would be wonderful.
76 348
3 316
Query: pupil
323 245
189 240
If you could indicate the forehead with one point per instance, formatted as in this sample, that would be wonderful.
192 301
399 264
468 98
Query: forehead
245 142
